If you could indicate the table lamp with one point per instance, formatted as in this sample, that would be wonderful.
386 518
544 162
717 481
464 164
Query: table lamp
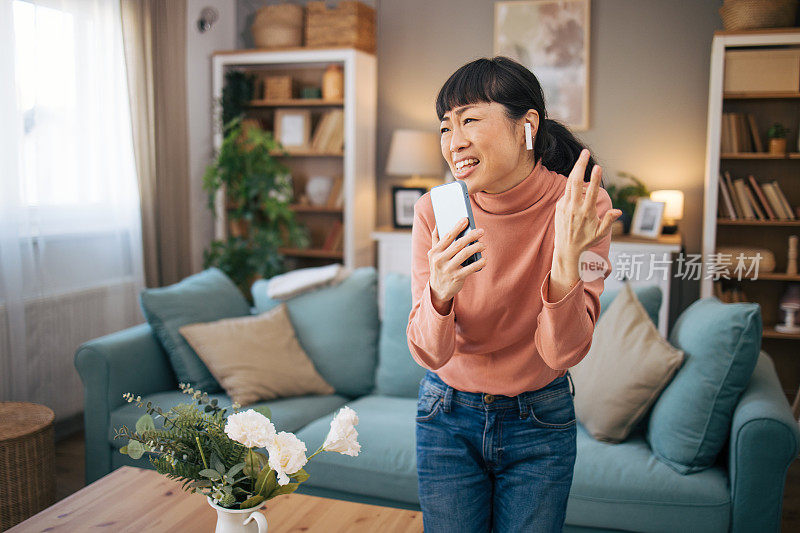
673 208
415 153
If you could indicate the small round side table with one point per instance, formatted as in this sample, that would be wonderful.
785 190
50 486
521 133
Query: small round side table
27 461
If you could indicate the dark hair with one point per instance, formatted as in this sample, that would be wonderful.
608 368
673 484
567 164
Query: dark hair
505 81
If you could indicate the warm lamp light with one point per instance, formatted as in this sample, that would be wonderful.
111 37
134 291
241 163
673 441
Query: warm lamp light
673 208
414 153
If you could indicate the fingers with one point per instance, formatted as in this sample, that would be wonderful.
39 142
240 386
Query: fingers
575 180
444 243
467 251
472 267
591 191
608 218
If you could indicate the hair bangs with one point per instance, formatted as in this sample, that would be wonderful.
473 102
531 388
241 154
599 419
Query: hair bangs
473 83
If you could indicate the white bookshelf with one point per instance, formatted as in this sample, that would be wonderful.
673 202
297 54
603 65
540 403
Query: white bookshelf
356 164
771 234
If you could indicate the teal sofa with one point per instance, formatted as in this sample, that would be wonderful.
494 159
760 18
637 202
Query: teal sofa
616 487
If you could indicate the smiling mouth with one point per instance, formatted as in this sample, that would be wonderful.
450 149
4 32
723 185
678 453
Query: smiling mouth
466 166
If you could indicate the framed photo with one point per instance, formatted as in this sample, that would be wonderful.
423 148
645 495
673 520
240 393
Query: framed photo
403 200
647 218
293 128
551 38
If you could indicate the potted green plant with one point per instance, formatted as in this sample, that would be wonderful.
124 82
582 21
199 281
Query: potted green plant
777 138
258 191
623 196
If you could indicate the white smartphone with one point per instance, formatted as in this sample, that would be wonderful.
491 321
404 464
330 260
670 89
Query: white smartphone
451 204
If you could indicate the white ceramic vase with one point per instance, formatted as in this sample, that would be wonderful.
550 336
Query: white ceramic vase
239 520
318 188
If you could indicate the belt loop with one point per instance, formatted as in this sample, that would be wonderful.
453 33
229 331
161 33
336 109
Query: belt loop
523 407
572 383
448 397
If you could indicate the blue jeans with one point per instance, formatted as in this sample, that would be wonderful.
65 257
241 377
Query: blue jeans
492 462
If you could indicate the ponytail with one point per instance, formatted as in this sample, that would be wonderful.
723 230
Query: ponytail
559 149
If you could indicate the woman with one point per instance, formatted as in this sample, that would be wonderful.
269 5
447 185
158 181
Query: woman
495 426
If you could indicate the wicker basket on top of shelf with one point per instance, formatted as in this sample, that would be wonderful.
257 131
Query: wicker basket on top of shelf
350 23
753 14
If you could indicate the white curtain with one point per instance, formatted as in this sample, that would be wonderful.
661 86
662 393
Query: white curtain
70 228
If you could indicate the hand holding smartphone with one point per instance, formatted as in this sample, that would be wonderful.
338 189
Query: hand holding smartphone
455 256
450 205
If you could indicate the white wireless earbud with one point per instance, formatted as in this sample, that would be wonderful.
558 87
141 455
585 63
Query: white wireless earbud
528 136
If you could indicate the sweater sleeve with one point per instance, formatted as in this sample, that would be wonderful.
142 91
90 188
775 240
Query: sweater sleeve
564 328
431 335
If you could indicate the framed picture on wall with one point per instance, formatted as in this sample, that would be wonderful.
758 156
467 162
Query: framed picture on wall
403 200
647 218
551 38
293 128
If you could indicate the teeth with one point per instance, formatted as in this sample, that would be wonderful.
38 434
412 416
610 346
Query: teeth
466 162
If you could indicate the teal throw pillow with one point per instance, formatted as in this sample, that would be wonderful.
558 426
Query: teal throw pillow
648 295
207 296
691 419
398 373
337 326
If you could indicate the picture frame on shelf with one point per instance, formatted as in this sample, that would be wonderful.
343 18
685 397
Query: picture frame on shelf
647 218
403 200
293 128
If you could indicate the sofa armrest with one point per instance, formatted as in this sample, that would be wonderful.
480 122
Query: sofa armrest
764 440
131 360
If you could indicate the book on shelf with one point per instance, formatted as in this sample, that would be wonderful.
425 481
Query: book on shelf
775 201
747 209
726 206
732 193
333 234
730 295
782 197
329 133
335 196
752 200
753 203
770 213
740 134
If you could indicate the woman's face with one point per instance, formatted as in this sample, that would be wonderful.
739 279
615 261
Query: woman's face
492 146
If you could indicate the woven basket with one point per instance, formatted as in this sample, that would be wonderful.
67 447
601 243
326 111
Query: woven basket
351 23
278 26
765 264
753 14
27 461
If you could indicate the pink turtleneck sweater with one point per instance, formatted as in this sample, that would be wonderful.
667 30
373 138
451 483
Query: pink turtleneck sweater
503 334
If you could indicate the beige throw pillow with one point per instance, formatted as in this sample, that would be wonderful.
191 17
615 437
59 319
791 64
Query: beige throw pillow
256 357
627 367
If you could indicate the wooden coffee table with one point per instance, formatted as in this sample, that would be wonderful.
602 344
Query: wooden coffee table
136 499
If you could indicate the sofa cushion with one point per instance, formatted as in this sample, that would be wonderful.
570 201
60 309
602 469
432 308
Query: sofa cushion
614 388
398 374
623 487
648 295
288 414
690 421
338 327
256 357
203 297
386 467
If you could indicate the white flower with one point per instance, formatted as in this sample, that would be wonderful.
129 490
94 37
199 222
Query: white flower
250 428
287 455
343 437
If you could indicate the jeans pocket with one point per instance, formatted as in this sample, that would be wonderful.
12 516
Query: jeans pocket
428 403
553 412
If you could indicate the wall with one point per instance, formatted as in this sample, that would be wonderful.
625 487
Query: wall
199 47
649 72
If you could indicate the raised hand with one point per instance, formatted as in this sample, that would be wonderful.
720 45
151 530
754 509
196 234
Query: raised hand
577 225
